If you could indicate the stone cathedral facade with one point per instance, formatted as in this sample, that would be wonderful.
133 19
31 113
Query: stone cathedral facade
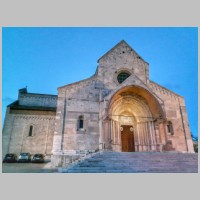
116 109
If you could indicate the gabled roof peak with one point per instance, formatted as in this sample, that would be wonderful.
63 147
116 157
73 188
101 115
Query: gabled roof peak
121 43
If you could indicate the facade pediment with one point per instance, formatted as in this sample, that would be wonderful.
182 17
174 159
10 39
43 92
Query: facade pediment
122 48
122 58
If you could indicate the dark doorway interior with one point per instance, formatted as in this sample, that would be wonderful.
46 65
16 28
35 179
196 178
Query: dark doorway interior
127 138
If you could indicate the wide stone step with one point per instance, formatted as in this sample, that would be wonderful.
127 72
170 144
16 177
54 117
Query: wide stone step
157 170
103 163
129 162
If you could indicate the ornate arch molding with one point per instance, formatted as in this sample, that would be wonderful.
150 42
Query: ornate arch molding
154 104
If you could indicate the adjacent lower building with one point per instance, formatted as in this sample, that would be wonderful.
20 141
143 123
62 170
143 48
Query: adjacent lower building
116 109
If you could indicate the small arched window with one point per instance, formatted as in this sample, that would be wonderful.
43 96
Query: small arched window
30 131
80 123
170 128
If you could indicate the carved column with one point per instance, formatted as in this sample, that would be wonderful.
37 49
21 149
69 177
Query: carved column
119 134
115 132
138 135
108 133
111 133
141 136
152 135
144 136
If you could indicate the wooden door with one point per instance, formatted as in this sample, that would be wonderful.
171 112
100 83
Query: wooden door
127 139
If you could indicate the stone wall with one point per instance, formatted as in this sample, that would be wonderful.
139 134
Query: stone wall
31 110
75 100
121 58
31 99
175 110
16 137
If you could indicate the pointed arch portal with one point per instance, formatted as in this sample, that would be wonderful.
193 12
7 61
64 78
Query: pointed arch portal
136 120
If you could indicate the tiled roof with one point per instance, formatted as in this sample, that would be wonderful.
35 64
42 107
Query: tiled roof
15 105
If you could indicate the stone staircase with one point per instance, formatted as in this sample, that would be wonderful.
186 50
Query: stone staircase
136 162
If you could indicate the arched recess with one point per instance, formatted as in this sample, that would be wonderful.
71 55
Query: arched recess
135 108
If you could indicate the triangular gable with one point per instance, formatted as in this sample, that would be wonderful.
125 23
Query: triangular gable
123 42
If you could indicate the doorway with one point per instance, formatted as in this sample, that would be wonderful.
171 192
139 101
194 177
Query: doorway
127 138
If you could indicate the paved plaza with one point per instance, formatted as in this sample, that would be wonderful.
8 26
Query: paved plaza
28 168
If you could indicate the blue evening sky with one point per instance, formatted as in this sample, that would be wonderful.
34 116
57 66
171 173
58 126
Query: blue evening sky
44 59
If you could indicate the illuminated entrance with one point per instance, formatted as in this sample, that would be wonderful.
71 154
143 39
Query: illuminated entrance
136 121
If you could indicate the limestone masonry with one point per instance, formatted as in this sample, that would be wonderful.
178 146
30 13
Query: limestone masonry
117 109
